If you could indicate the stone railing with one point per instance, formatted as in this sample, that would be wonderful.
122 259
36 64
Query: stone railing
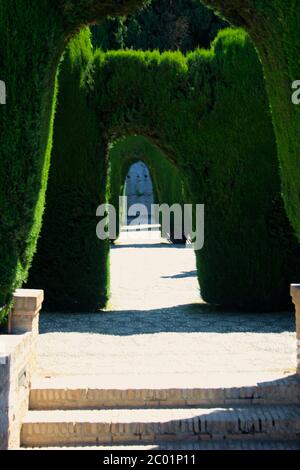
295 293
18 354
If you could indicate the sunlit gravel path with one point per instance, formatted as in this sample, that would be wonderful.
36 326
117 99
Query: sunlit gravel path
158 331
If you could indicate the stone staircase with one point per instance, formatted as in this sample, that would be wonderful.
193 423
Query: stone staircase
264 415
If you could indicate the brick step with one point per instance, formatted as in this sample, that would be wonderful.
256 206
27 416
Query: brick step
58 428
63 395
184 446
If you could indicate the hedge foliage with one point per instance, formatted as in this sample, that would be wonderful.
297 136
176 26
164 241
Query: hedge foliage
70 264
208 114
25 131
34 34
274 26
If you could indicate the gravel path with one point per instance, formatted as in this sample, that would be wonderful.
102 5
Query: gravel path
157 327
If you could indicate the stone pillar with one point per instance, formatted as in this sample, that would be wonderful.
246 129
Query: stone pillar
24 317
295 293
18 359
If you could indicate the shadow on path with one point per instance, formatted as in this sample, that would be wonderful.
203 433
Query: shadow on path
189 318
184 275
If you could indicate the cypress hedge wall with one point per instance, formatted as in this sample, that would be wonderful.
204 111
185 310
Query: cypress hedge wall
33 35
71 263
274 26
208 114
25 132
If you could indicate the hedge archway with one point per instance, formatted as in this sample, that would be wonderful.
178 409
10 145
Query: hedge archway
29 70
167 185
33 35
218 134
274 27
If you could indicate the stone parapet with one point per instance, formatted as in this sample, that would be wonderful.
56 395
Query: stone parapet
26 308
18 352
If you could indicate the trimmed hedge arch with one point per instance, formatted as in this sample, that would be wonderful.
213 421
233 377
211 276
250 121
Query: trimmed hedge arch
33 35
29 69
167 185
274 27
218 134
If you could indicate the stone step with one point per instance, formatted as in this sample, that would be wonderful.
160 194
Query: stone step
57 394
58 428
184 446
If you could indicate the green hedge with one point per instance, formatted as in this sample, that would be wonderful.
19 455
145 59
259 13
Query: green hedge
274 26
71 263
33 35
28 37
162 25
208 114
